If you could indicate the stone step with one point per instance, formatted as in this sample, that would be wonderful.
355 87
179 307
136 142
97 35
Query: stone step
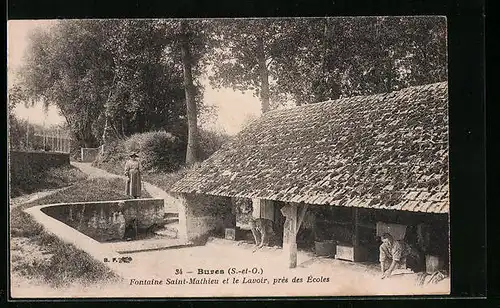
170 220
168 231
171 214
146 245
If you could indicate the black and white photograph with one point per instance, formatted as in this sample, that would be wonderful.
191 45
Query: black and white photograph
228 157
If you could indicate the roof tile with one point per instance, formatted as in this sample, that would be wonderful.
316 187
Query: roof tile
339 152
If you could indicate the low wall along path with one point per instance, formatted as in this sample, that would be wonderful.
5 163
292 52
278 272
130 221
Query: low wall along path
23 164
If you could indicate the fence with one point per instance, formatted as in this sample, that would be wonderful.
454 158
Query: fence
55 141
32 137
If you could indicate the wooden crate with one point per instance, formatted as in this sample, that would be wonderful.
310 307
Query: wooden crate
351 253
325 248
230 234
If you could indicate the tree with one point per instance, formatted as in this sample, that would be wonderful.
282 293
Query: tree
248 51
16 127
316 59
189 44
192 114
343 57
106 73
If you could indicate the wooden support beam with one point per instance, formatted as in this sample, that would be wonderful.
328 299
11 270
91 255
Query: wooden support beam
355 239
302 214
290 234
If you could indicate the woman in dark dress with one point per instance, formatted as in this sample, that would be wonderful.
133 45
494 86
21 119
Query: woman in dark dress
133 173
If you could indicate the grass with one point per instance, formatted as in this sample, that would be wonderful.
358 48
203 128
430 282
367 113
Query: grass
115 166
96 189
40 255
163 180
49 179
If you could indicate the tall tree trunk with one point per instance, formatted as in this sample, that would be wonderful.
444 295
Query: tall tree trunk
107 132
264 75
192 147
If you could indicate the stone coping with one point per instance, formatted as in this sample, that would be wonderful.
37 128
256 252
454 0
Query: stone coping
97 250
95 202
39 152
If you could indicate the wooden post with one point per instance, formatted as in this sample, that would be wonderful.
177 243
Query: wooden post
355 239
290 234
302 214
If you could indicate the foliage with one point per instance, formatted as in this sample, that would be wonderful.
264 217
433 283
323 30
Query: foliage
26 136
362 56
246 52
211 141
130 75
17 133
315 59
157 150
49 179
126 70
16 127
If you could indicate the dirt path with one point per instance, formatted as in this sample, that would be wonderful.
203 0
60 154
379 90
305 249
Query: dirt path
154 191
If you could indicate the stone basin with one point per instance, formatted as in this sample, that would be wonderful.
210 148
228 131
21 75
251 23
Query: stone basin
106 221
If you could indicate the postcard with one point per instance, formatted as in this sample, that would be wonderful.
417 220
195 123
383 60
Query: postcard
236 157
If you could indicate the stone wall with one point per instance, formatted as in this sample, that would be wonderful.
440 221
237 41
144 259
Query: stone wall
201 216
29 164
88 155
107 220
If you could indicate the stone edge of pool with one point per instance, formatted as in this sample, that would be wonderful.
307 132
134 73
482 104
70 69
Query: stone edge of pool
98 251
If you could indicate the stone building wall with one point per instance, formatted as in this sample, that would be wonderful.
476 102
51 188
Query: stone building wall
201 216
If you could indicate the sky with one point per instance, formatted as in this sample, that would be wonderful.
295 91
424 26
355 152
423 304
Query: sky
233 107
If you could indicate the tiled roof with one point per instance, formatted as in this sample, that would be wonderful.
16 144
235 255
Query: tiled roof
384 151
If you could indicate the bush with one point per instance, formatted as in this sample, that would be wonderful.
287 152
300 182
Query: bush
159 151
210 142
17 132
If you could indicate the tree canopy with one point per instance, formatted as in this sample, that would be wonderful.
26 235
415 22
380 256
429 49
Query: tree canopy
313 59
125 70
134 76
